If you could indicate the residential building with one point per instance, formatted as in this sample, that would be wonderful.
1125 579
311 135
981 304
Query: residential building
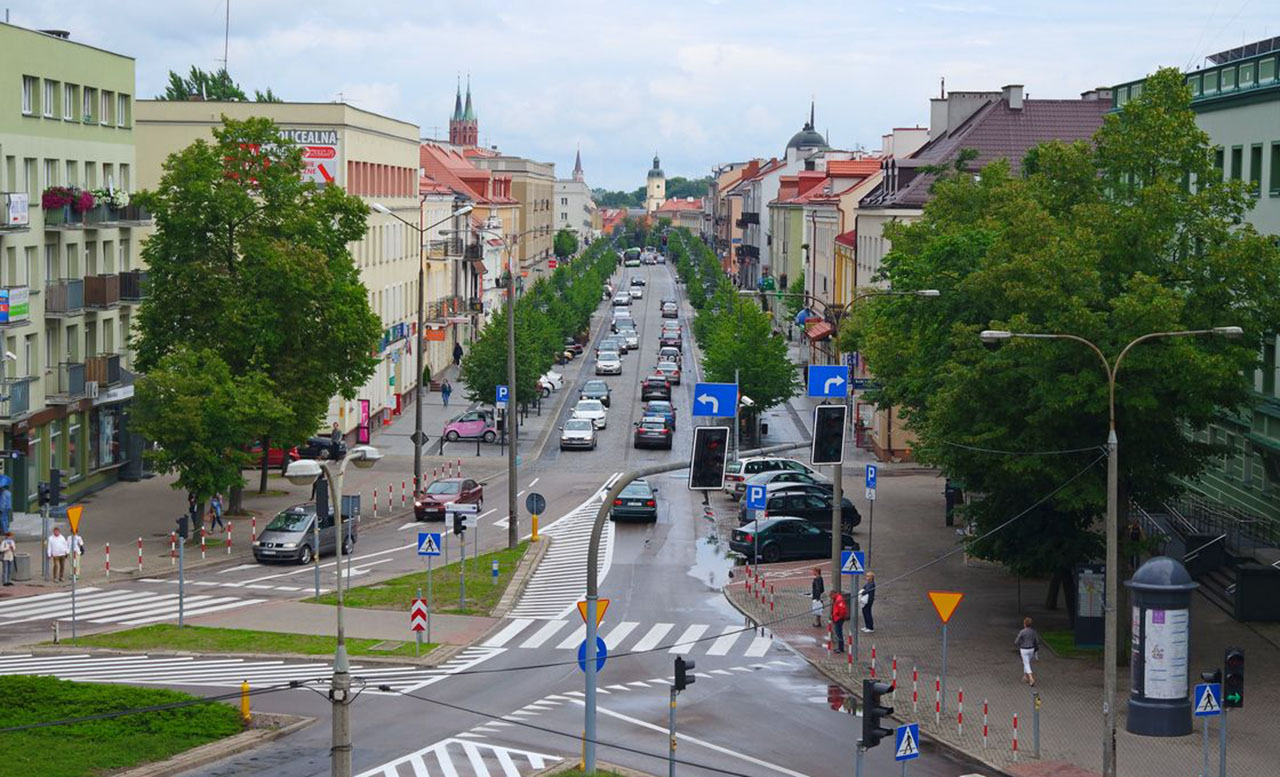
725 210
655 187
684 212
1236 99
533 185
574 209
371 156
451 287
70 279
611 219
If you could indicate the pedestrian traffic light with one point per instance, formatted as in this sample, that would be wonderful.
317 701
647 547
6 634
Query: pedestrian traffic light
42 492
184 526
828 434
873 710
55 487
684 673
710 449
459 525
1233 678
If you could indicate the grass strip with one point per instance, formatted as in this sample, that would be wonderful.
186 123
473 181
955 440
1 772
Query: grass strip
204 639
1063 645
94 747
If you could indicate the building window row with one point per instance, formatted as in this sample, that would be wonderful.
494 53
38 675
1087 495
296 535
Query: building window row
1230 165
36 175
374 180
55 100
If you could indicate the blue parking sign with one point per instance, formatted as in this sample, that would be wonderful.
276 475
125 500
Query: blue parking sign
755 497
501 393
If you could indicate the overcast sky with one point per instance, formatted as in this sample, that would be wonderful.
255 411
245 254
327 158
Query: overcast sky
698 81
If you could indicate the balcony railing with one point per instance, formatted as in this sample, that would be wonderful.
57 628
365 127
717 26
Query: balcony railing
67 385
15 397
64 297
63 218
134 216
133 285
448 247
105 369
749 218
101 291
101 216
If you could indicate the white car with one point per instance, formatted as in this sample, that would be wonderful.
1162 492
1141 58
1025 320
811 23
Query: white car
578 433
637 292
553 379
621 299
608 363
592 410
629 336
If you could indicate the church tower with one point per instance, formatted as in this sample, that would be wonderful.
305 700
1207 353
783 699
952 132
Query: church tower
655 187
578 175
464 128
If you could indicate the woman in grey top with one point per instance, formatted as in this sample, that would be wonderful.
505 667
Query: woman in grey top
1027 642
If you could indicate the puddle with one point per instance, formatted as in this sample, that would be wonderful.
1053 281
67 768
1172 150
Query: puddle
837 699
712 563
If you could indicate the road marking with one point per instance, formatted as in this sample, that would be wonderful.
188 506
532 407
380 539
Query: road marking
534 482
653 637
759 646
238 568
503 637
543 634
620 632
355 560
573 640
409 525
686 641
453 756
725 641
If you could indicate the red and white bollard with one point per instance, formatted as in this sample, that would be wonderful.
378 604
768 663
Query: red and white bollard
895 673
202 535
173 548
449 469
960 712
459 467
984 724
937 700
849 660
375 502
404 502
228 539
108 554
390 497
771 593
915 689
253 529
139 554
1015 736
873 661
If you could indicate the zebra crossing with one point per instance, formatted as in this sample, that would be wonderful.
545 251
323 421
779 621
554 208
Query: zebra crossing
126 606
199 584
456 757
559 582
220 672
696 638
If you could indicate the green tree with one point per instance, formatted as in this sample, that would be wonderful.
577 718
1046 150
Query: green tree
738 336
214 86
566 244
680 186
1105 241
250 261
795 301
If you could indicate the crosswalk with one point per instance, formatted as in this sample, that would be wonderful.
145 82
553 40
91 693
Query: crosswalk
455 757
633 637
126 606
560 580
219 672
263 587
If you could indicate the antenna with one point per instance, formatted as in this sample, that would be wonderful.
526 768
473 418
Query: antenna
942 88
226 36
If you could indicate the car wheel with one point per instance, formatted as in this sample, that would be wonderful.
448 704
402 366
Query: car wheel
546 392
451 435
771 554
305 556
490 436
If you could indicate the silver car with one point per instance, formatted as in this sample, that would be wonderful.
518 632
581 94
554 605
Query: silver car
608 363
291 536
578 433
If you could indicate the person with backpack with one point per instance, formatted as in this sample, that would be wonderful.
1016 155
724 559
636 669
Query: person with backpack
839 614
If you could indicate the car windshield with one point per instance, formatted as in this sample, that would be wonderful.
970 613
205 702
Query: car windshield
626 323
606 356
667 366
658 407
589 406
594 386
578 425
637 488
290 520
444 487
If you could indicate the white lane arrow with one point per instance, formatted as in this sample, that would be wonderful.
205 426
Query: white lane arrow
837 381
710 400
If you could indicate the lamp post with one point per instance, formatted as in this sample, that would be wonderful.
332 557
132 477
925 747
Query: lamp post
1110 639
306 472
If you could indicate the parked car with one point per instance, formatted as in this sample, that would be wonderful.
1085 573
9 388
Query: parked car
662 408
820 489
573 345
637 501
608 363
653 432
814 508
655 387
785 537
291 535
670 370
470 425
669 354
782 478
670 310
276 457
595 389
592 410
578 433
621 299
429 502
737 472
637 280
320 448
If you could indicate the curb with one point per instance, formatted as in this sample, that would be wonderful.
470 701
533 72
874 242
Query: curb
275 727
569 764
521 577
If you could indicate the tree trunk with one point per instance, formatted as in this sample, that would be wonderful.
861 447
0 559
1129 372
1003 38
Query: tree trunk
266 464
236 501
1069 594
1051 597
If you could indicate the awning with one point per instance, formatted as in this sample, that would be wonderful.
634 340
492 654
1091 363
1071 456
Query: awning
477 265
819 330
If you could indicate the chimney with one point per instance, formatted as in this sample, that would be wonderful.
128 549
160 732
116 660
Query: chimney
937 117
1097 93
1013 96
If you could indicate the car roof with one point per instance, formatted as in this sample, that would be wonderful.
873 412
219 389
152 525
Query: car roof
449 480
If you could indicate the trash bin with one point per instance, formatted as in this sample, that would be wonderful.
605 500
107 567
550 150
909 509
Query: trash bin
21 567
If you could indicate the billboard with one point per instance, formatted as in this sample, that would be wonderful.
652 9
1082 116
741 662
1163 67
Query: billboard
321 153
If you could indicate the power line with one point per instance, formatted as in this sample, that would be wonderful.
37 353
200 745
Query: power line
1020 453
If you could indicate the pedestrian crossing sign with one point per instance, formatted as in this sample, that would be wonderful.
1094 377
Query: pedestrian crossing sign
428 543
906 742
1208 700
853 562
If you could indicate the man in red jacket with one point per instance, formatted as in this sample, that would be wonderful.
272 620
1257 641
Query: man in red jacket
839 614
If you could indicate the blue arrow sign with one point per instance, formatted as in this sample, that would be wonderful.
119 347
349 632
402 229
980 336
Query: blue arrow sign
428 543
1208 700
501 393
717 400
602 652
755 497
828 380
906 742
853 562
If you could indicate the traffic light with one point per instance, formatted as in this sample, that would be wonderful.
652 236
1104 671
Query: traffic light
458 524
55 487
828 434
684 673
872 711
1211 677
1233 678
184 524
42 490
710 449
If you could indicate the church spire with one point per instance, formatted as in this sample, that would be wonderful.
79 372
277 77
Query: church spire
457 102
468 114
811 121
577 166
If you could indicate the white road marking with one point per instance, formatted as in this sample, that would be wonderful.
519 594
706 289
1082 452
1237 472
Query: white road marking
503 637
652 638
686 641
619 633
759 646
725 641
543 634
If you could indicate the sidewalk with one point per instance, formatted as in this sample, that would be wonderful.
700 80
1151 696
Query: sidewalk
909 538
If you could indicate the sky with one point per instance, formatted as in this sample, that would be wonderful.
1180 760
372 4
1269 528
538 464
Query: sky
699 82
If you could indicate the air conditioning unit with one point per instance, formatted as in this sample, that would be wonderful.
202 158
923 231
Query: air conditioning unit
91 388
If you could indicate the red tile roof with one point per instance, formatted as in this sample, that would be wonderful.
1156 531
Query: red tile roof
680 203
849 238
451 169
853 168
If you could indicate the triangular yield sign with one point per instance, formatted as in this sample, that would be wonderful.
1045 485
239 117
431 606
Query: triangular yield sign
601 606
73 517
945 603
908 747
1208 703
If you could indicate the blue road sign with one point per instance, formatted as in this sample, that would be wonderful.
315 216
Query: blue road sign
717 400
871 476
1208 700
428 543
755 497
861 384
853 562
500 395
828 380
602 652
906 742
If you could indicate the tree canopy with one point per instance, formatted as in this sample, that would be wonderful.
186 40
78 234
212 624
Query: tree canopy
214 86
565 244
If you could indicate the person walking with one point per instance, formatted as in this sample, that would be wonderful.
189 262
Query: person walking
335 434
457 354
215 513
839 614
1028 644
816 589
446 391
57 548
8 549
867 598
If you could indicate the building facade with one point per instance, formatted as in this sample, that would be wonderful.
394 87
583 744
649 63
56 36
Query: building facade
533 185
655 187
574 208
69 271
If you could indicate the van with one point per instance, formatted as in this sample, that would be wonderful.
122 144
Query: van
291 536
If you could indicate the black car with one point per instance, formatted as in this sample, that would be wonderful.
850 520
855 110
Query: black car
595 389
655 387
612 343
785 537
322 448
637 281
812 507
653 432
636 501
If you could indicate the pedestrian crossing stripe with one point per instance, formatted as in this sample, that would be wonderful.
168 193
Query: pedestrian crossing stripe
852 562
907 742
1207 699
428 543
452 757
634 637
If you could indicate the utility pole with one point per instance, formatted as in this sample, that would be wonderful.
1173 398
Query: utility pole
513 517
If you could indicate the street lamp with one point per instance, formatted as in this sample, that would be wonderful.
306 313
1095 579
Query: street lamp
1110 646
302 473
418 439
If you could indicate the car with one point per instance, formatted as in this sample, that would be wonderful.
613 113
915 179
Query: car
637 292
471 425
637 281
608 363
670 310
672 327
655 387
814 508
608 291
665 300
653 432
616 343
671 340
619 319
276 457
785 537
291 535
781 478
671 370
662 408
821 489
578 433
636 501
621 300
428 503
593 410
320 448
661 259
631 337
623 322
573 345
553 380
669 354
737 472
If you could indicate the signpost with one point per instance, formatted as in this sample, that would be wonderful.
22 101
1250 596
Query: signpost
853 562
535 503
756 500
829 380
419 619
1208 704
429 544
602 652
500 397
715 400
872 470
73 517
945 603
906 744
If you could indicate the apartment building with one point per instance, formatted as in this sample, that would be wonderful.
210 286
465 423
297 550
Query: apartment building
574 209
533 184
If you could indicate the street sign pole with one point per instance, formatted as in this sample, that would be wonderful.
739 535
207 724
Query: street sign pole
1222 744
1204 748
837 525
182 543
74 537
417 646
872 473
945 603
589 700
430 603
462 574
671 735
737 403
857 763
44 540
943 700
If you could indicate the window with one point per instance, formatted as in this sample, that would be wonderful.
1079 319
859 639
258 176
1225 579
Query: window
69 102
1194 83
1267 71
104 441
28 95
50 89
51 262
1237 163
86 104
73 448
1246 75
1217 161
50 346
1275 168
29 354
50 173
1228 79
104 115
71 173
122 110
1255 169
1211 82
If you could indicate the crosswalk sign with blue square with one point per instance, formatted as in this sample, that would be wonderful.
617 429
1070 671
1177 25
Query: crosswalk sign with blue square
1208 700
428 543
755 497
853 562
906 742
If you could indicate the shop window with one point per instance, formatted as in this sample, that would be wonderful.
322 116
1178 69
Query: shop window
73 448
105 448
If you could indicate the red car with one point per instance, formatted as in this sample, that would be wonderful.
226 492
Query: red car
429 503
276 457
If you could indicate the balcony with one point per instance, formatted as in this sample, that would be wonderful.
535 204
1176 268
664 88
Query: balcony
133 285
472 251
62 218
15 216
64 297
101 291
67 385
444 249
747 218
15 306
103 369
101 216
15 397
134 216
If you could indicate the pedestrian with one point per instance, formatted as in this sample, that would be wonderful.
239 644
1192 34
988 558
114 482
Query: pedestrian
446 390
867 598
7 550
6 507
1028 644
839 614
215 513
57 549
1135 541
816 589
457 354
335 434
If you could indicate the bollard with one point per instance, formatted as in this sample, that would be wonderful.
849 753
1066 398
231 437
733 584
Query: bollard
459 467
245 715
960 712
375 502
173 548
984 724
828 639
403 500
849 660
915 689
108 562
202 535
139 554
390 498
253 529
228 539
1035 726
771 596
56 636
873 661
937 700
894 678
495 571
1015 736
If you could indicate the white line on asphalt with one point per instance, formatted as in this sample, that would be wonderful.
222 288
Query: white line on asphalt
574 639
725 641
543 634
503 637
237 568
409 525
686 641
759 646
520 492
619 633
534 482
490 511
309 568
651 639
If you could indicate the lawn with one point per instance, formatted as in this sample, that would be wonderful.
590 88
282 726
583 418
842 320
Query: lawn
166 636
1063 645
483 591
93 747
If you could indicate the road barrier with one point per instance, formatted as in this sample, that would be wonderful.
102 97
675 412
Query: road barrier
253 530
960 712
228 539
1015 736
108 555
984 724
